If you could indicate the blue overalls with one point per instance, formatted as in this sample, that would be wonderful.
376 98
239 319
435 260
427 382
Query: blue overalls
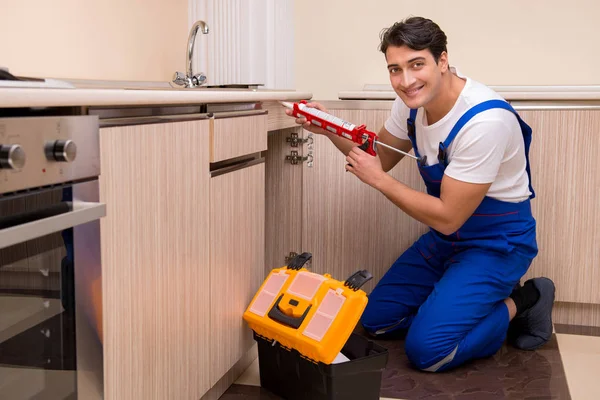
447 292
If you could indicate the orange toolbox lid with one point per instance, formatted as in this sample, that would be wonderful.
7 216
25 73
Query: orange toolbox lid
312 313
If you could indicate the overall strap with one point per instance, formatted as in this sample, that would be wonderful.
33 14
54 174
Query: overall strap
410 126
466 117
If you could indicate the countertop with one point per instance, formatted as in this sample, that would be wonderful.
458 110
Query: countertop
510 93
46 97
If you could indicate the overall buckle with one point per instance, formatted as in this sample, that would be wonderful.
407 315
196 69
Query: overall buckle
410 126
442 155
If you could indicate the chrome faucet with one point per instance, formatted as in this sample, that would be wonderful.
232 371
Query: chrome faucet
189 79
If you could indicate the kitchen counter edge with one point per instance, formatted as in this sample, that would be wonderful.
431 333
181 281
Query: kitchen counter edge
26 97
510 93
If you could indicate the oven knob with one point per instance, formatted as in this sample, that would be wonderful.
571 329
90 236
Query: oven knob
12 156
61 150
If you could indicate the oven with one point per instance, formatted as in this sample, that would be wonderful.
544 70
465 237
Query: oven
50 261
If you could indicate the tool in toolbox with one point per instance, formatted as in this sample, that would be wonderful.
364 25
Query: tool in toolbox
358 134
312 313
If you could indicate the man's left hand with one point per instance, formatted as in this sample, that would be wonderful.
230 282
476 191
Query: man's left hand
365 166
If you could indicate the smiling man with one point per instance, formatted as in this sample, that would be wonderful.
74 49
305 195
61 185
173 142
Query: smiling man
455 292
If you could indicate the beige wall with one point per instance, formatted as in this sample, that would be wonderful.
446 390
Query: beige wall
94 39
509 42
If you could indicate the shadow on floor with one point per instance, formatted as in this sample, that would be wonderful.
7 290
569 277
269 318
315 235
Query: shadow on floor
509 374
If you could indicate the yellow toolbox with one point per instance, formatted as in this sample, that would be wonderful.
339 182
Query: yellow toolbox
311 313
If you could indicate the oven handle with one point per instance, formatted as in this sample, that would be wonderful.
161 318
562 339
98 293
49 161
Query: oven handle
82 212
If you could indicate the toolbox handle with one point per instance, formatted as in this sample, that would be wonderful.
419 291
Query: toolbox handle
298 262
276 314
358 279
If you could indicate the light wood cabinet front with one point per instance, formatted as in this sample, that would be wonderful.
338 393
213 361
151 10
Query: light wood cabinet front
237 136
237 247
283 220
566 178
155 264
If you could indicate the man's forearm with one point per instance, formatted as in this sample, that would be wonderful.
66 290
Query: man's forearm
420 206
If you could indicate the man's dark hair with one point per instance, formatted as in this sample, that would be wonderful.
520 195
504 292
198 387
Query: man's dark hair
418 34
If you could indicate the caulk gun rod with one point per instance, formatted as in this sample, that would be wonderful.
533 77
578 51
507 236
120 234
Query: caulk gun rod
395 149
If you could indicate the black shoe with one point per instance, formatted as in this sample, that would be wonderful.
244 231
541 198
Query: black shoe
533 328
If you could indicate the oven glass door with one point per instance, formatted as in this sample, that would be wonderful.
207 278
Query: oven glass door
38 302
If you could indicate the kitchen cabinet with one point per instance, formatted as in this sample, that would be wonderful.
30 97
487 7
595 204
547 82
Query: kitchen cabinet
155 260
237 241
237 248
183 251
566 178
347 225
183 254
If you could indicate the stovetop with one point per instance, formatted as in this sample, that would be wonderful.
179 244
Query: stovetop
8 80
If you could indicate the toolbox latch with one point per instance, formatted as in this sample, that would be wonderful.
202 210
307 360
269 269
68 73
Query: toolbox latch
276 314
298 262
358 279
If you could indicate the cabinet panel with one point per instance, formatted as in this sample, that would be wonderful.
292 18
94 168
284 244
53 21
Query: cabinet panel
283 230
566 178
278 119
235 137
155 260
237 258
347 225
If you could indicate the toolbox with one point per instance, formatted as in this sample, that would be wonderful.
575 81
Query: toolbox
303 324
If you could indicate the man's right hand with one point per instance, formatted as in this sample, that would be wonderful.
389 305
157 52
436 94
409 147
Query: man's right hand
307 125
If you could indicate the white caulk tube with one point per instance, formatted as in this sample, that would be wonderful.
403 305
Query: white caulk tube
323 115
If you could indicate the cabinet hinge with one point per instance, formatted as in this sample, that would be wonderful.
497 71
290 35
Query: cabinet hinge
310 148
294 158
295 140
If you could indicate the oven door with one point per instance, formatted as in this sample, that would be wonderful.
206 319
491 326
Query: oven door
50 294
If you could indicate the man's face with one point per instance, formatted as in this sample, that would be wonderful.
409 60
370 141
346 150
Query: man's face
414 74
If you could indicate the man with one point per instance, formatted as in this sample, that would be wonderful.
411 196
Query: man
455 292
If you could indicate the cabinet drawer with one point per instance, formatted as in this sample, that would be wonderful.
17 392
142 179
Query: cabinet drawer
237 136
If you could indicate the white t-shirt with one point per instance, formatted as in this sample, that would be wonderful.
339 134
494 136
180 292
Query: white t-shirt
489 148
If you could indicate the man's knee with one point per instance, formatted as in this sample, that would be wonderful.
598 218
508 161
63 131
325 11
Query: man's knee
372 318
379 319
429 351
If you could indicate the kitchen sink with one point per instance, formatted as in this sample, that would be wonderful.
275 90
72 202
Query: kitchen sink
129 85
201 88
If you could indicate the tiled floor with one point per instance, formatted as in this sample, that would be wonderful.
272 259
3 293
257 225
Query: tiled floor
565 368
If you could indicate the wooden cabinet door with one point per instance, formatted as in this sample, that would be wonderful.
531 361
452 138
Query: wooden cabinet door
237 258
566 179
155 265
347 225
